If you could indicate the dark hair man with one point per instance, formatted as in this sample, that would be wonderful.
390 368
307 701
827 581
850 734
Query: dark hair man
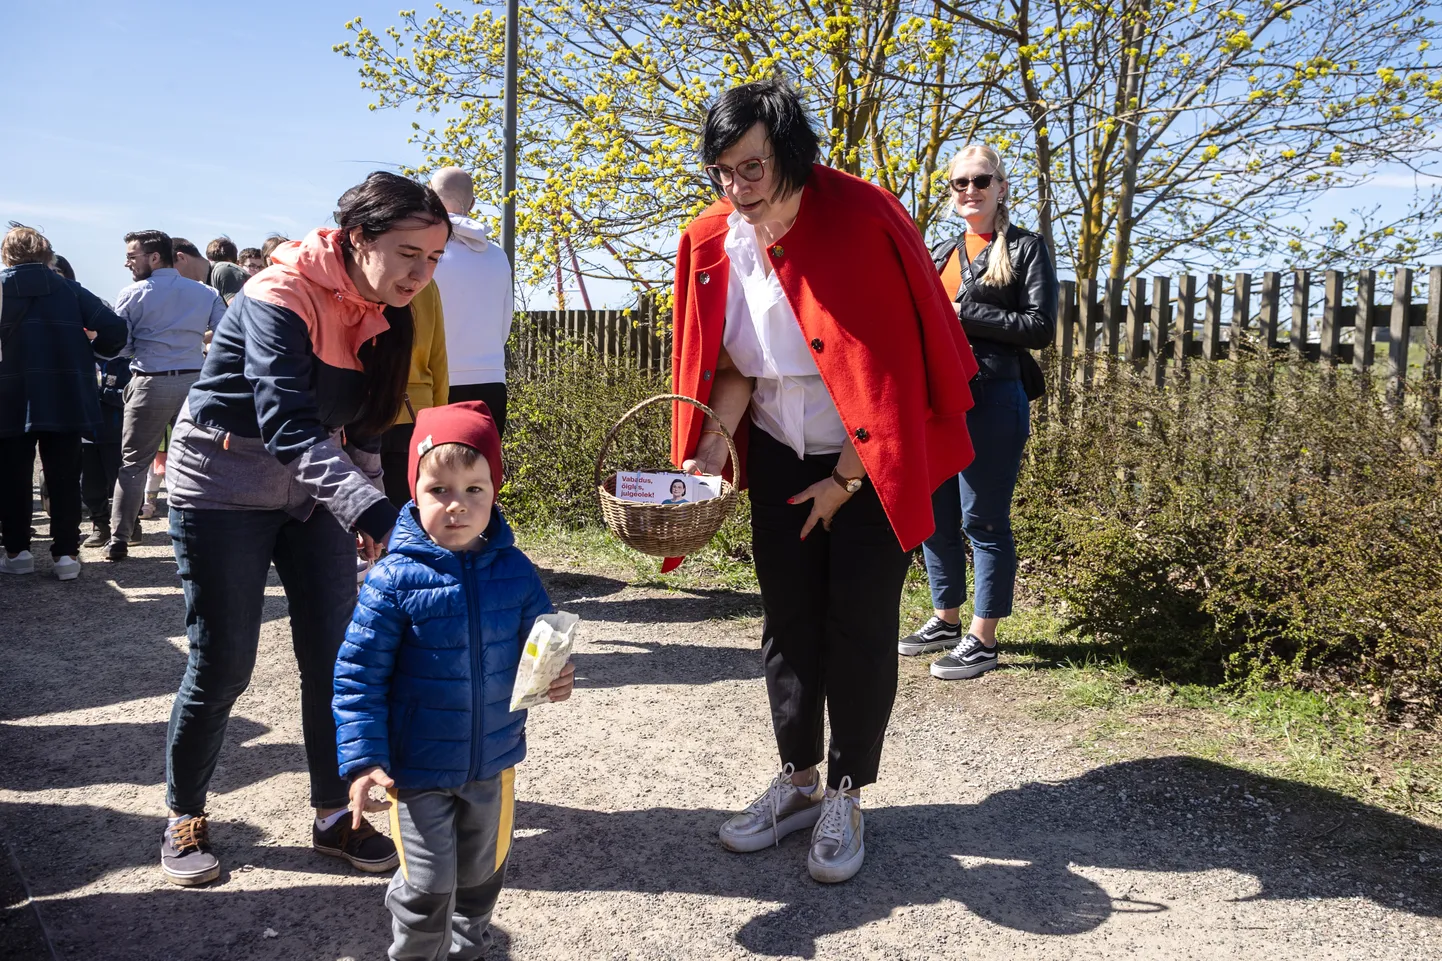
252 261
221 250
226 277
168 316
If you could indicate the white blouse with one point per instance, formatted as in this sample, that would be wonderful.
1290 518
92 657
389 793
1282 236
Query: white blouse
764 340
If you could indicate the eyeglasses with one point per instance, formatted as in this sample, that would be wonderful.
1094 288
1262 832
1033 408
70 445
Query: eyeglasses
980 182
748 170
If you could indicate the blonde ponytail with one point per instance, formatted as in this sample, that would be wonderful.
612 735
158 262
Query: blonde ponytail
999 270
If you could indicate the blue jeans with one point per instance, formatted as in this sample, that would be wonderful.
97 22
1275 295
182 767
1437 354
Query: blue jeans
978 502
224 558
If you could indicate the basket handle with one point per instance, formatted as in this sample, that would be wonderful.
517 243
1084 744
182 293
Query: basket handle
601 457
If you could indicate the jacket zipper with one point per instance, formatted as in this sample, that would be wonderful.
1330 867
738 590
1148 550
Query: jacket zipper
477 681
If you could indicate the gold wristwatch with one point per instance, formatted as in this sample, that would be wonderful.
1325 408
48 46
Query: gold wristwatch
849 484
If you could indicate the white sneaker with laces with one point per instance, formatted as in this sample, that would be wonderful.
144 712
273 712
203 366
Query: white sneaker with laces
67 568
838 844
22 563
782 809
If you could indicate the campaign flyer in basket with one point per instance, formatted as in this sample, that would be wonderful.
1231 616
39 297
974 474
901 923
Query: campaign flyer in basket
648 487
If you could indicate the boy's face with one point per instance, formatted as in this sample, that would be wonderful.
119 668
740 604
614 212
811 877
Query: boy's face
455 502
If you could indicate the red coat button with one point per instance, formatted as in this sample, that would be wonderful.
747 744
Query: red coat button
817 345
861 433
705 375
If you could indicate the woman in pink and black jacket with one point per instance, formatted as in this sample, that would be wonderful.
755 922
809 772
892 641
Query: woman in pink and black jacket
275 459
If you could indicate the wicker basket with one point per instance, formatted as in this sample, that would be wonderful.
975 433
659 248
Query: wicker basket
663 530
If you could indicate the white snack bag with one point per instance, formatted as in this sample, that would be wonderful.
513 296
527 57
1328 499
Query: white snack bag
544 657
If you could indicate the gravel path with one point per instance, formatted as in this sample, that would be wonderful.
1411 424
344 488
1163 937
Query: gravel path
992 834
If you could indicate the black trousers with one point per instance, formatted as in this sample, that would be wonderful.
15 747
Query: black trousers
832 611
493 394
60 457
395 463
99 467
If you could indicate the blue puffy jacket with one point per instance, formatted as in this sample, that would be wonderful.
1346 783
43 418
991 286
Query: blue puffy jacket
423 682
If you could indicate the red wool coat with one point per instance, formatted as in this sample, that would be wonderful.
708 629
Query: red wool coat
886 340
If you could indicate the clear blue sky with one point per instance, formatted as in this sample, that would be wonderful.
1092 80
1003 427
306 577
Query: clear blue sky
195 118
204 118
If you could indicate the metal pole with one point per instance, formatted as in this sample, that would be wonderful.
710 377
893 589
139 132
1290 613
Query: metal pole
508 176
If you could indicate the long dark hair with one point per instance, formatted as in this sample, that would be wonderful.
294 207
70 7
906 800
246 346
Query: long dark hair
381 203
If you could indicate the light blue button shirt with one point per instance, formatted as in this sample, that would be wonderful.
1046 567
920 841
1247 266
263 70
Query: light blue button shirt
168 316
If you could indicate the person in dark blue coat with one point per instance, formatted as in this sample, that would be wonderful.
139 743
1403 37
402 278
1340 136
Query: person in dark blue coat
51 330
423 687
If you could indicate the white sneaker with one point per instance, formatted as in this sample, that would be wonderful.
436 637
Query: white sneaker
67 568
22 563
838 841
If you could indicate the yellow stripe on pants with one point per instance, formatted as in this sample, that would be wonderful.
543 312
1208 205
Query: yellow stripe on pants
395 800
508 816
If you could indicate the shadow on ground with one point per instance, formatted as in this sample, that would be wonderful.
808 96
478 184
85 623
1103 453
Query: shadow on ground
631 662
1008 859
51 756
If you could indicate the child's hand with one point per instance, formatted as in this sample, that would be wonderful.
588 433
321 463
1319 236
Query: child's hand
360 793
561 687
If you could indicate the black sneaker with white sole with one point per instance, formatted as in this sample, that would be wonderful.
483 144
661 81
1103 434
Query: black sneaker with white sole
934 635
968 659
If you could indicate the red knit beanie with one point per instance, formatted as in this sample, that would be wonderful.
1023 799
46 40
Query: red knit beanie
469 423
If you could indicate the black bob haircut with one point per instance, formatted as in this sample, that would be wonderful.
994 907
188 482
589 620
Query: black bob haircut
794 144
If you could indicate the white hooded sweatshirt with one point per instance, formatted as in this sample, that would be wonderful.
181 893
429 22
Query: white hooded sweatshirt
474 279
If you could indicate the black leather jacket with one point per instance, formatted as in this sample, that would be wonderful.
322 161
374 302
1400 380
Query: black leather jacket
1003 322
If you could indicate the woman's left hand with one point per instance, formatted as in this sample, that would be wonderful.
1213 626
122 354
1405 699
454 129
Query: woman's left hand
826 498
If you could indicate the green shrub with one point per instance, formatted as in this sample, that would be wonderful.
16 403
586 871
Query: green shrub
558 416
1258 522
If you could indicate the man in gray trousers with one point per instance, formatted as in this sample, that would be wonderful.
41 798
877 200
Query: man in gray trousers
169 317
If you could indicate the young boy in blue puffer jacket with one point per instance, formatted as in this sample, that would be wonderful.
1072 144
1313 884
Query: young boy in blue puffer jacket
423 687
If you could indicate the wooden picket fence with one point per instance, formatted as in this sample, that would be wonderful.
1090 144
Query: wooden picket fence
1159 334
1145 326
639 338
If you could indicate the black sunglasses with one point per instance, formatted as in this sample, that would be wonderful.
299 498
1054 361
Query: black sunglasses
980 182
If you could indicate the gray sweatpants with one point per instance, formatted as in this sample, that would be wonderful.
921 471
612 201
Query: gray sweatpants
452 844
151 403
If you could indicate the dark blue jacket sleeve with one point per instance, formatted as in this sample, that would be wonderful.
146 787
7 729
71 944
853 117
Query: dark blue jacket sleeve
280 368
111 332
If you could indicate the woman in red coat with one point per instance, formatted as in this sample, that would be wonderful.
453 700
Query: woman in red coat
810 318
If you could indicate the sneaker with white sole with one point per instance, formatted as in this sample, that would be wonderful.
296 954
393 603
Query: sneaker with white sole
781 810
968 659
185 855
22 563
67 568
934 635
838 844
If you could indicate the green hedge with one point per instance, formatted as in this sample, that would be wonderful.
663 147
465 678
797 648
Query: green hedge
1258 522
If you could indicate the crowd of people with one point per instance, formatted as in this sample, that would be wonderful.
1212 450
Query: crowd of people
337 402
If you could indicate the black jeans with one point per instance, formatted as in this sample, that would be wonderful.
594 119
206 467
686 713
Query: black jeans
224 558
99 467
832 610
493 394
395 463
60 457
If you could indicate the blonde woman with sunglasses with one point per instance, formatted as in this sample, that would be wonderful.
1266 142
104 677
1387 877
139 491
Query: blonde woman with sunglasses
1003 285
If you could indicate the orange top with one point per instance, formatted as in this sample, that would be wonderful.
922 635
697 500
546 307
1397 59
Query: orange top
951 271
